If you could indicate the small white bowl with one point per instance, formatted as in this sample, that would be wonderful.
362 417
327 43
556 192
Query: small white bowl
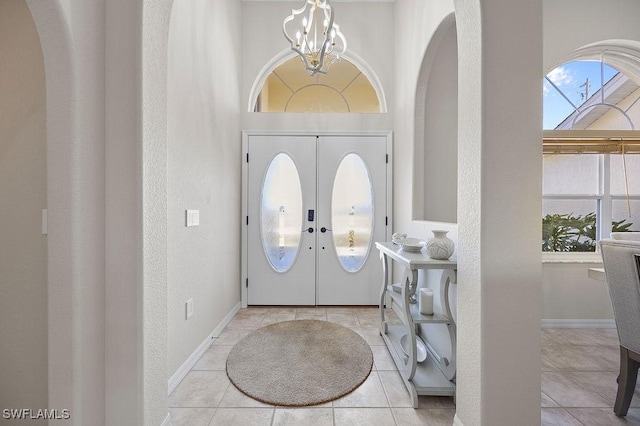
412 244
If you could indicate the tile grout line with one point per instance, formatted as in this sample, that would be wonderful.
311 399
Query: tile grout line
273 415
568 412
212 414
386 394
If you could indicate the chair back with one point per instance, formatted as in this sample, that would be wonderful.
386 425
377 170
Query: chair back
621 260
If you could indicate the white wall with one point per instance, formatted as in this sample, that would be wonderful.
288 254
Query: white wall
72 38
23 183
499 207
122 214
423 18
488 280
372 40
440 157
204 159
570 24
106 170
560 280
569 294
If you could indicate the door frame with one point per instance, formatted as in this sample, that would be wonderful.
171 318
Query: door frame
245 181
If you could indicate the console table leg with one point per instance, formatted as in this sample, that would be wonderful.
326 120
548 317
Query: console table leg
413 394
385 282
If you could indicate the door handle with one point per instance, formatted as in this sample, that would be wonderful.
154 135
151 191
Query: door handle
323 229
309 230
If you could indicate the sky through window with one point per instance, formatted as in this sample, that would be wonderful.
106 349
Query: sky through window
578 80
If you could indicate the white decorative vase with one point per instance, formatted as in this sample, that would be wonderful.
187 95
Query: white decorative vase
440 247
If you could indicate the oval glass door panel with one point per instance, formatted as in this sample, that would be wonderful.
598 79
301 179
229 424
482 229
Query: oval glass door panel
352 212
281 213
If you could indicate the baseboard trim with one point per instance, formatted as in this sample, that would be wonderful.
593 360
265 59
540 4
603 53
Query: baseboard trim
578 323
456 420
167 420
226 320
184 369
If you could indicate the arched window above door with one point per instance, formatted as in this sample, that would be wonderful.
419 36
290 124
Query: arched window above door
349 87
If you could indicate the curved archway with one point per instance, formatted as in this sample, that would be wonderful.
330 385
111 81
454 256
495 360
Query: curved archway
64 277
435 135
287 54
23 183
87 376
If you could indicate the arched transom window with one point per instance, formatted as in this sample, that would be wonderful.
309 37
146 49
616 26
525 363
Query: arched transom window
344 89
590 95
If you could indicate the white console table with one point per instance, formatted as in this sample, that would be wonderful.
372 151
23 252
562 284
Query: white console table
436 374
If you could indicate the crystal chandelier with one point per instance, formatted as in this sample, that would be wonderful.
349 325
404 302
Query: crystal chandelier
317 38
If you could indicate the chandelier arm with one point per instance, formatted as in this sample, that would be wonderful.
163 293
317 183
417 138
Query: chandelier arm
316 55
327 34
341 37
294 13
290 18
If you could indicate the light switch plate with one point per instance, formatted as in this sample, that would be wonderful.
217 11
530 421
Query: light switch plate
193 217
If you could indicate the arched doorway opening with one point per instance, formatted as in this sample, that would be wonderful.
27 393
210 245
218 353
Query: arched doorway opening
23 195
435 170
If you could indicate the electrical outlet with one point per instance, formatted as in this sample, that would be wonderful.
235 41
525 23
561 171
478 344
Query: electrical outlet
189 308
193 217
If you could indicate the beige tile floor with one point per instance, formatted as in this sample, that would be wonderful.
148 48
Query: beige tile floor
579 369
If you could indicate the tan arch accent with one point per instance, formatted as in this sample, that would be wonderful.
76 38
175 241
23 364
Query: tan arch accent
286 54
326 86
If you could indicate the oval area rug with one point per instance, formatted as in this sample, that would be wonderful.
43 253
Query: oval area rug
299 363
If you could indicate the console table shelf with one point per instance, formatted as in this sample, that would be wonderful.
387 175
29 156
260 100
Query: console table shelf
418 318
428 379
436 374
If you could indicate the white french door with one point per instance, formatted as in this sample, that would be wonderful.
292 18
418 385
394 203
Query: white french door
314 206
